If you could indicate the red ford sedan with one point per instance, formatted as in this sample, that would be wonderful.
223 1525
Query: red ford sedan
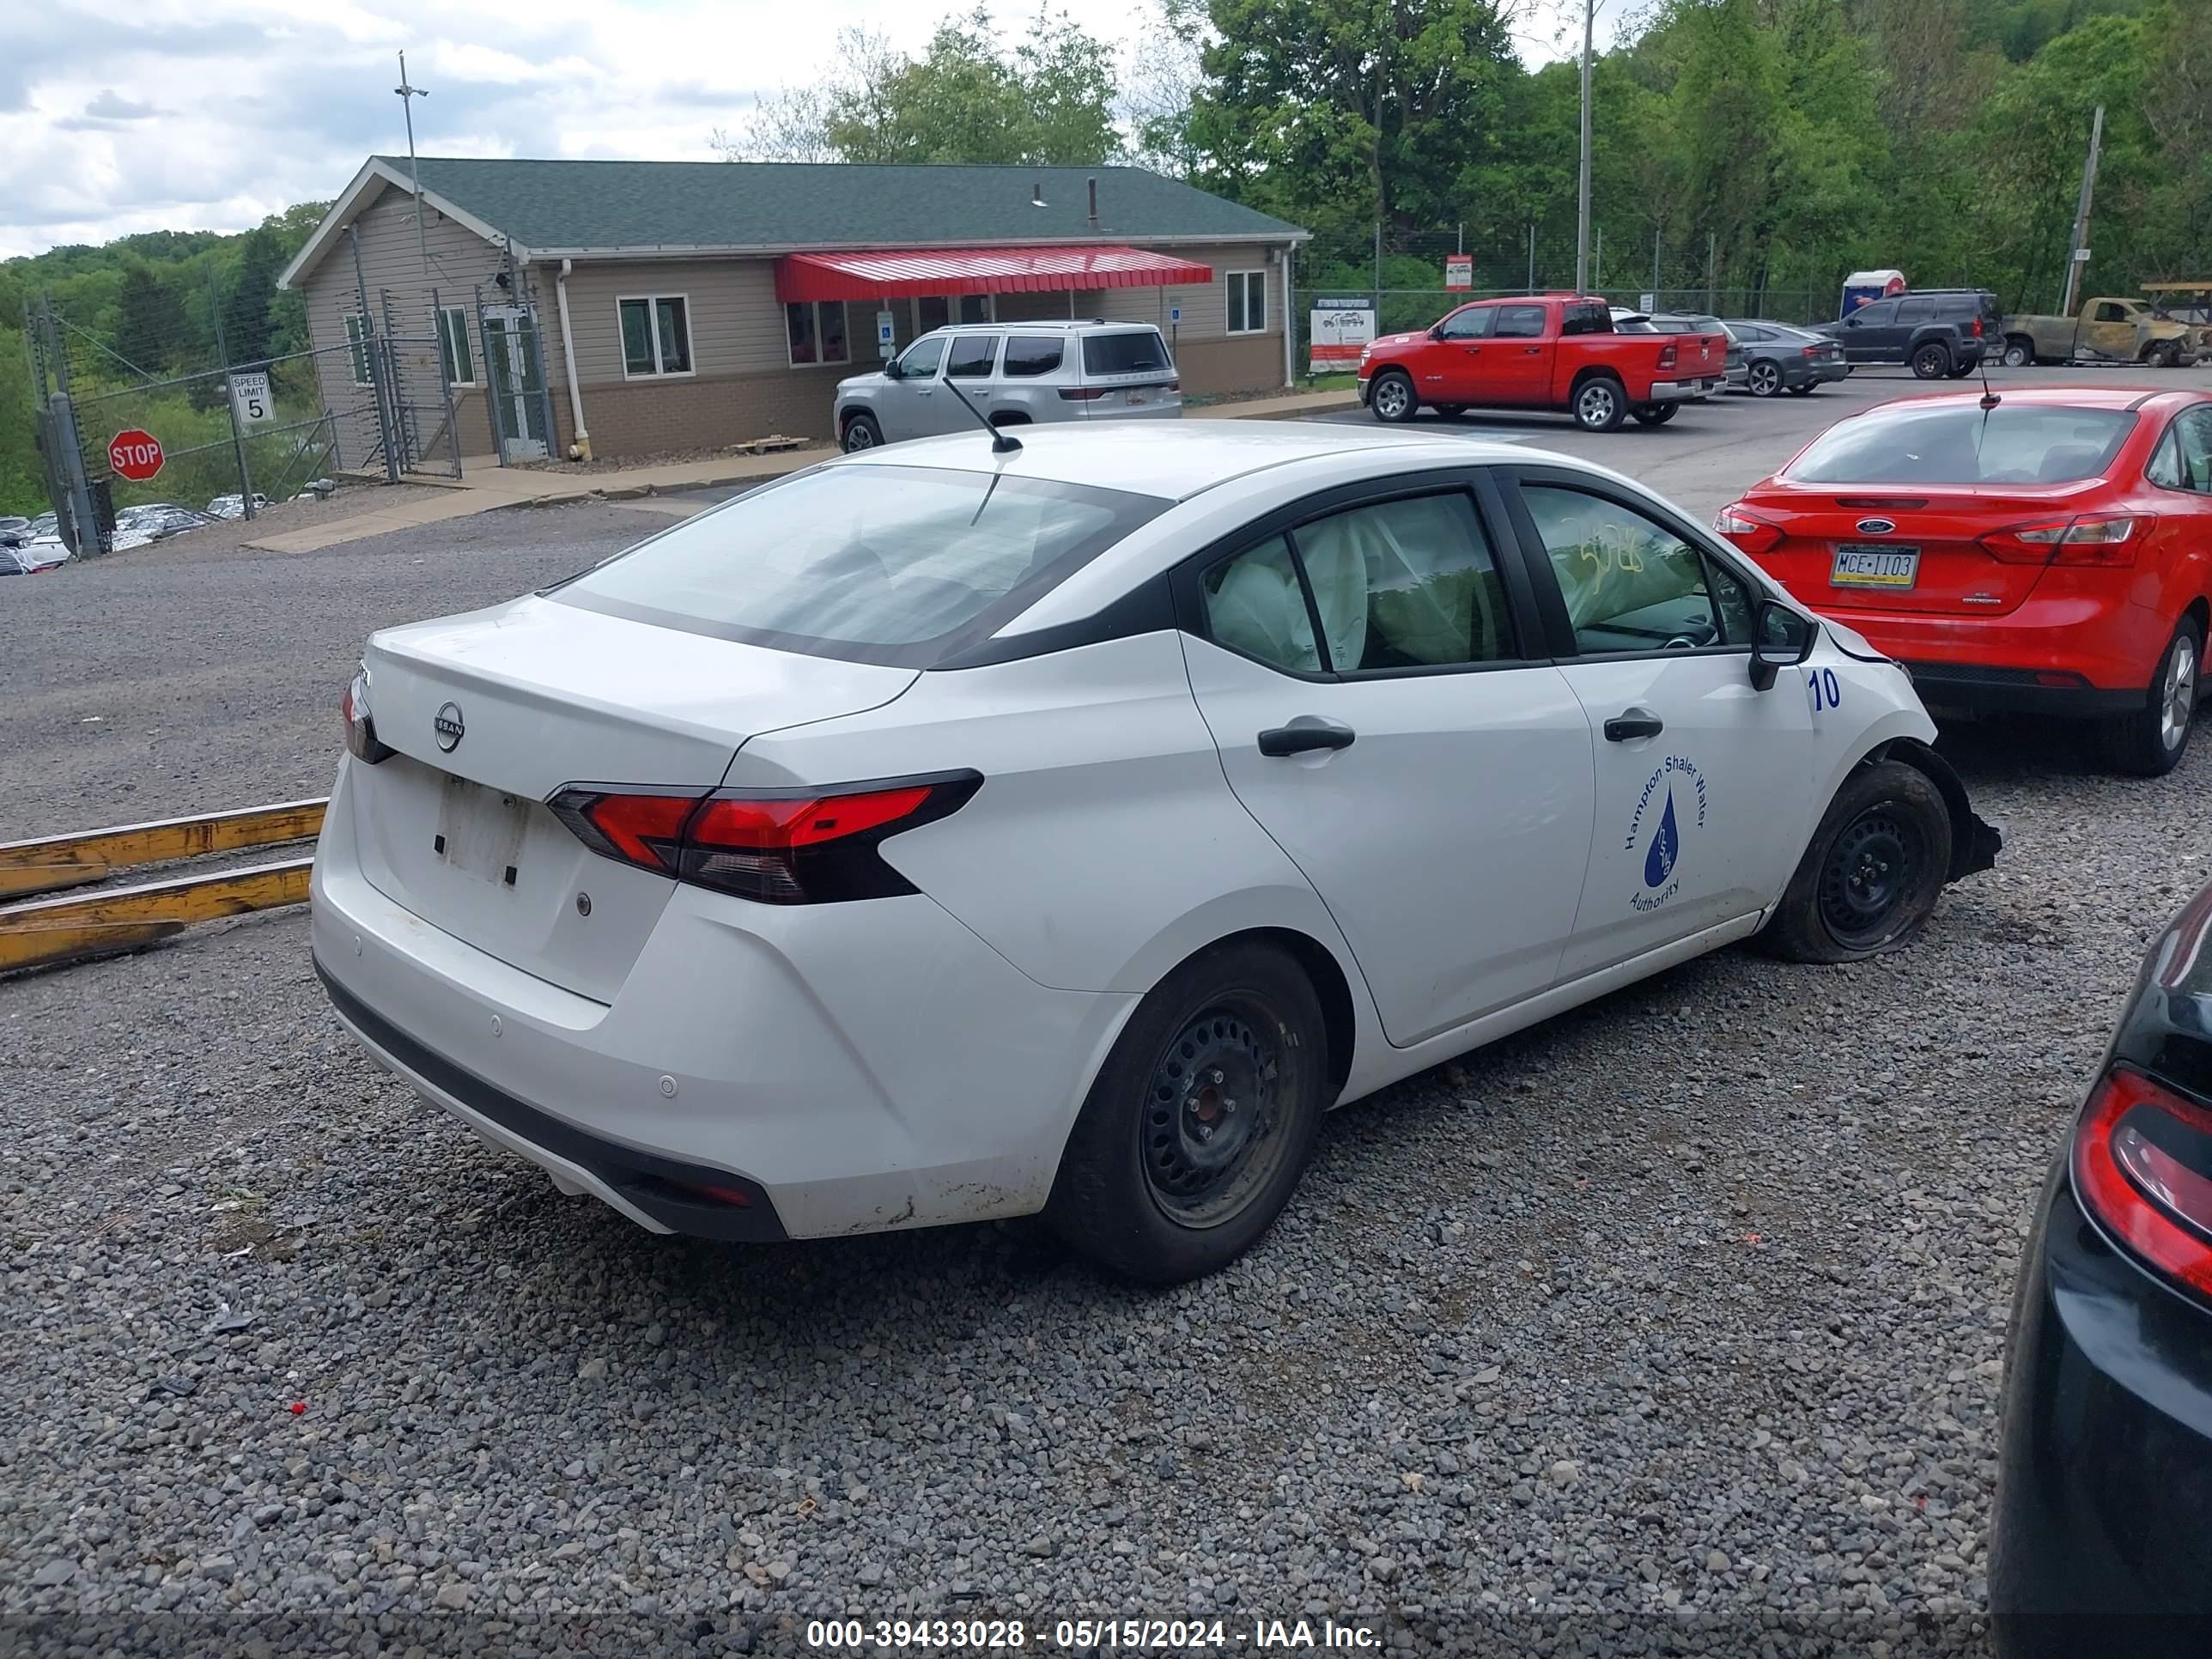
2046 552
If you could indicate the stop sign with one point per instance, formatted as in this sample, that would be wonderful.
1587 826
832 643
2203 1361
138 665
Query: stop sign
135 455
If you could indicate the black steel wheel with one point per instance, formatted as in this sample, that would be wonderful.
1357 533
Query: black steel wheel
1872 872
1931 362
1199 1123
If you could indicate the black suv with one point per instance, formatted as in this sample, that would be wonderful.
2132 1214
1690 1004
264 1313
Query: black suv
1935 332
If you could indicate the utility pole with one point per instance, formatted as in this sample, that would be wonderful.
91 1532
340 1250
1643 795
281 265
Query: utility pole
407 95
1582 194
2077 246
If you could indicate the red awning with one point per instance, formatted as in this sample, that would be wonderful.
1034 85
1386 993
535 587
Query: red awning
896 275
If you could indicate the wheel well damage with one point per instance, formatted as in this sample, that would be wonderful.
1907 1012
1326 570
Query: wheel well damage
1974 844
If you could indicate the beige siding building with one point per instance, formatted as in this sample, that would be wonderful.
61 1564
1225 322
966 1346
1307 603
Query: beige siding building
670 304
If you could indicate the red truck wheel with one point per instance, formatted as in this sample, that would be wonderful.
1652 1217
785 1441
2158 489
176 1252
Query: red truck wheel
1600 403
1392 398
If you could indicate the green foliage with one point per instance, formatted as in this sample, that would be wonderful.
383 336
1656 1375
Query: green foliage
1048 100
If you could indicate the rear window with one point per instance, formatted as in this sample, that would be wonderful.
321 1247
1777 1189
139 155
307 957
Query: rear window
1029 355
886 564
1962 444
1585 319
1141 351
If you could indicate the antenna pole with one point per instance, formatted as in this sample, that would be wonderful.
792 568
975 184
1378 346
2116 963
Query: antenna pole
1583 185
407 95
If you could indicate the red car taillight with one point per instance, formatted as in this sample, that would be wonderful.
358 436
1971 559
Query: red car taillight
1667 356
2142 1166
1812 351
1978 328
1747 530
778 846
360 725
2106 540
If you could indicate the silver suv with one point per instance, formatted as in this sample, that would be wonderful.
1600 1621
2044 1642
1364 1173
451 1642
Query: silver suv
1017 375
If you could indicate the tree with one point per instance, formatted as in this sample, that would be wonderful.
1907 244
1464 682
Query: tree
1049 101
150 328
248 298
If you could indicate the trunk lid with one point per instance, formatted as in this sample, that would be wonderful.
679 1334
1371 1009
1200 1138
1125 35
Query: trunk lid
543 694
1954 574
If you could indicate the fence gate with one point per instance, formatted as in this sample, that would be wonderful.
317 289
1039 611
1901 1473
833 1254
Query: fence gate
516 373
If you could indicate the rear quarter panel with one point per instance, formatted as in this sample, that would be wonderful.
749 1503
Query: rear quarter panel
1633 357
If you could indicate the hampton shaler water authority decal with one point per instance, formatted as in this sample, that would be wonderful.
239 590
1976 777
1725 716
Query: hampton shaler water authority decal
1663 854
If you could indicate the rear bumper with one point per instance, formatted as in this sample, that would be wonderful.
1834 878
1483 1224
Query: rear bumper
857 1067
2064 650
2105 1463
1669 391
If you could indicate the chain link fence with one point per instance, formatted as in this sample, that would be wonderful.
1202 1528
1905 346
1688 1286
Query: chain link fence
127 419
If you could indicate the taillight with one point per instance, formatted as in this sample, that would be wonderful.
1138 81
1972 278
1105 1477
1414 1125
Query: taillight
1813 351
2104 540
360 725
1083 394
1667 356
1978 328
2142 1166
778 846
1747 530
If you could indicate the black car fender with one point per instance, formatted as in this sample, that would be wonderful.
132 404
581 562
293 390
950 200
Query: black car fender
1974 843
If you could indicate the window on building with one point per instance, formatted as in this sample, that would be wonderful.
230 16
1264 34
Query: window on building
930 310
979 308
453 346
656 334
815 332
356 327
1248 301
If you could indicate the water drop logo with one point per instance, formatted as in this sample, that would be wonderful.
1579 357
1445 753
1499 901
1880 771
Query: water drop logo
1666 846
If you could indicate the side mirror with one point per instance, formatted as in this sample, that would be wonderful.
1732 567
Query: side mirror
1780 638
891 369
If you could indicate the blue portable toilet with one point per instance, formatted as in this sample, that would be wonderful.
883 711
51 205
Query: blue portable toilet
1862 286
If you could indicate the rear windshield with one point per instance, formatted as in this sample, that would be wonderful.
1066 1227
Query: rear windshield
1961 443
873 563
1141 351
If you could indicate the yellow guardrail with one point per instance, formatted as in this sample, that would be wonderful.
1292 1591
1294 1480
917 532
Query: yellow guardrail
43 932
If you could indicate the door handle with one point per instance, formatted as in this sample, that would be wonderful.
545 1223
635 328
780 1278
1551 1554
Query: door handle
1530 351
1633 723
1304 736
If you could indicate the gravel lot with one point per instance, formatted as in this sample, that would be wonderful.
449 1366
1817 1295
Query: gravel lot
1673 1325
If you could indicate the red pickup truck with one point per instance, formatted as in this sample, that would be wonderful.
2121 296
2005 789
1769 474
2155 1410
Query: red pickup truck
1549 351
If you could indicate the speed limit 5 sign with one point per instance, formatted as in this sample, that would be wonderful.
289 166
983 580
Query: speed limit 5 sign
249 395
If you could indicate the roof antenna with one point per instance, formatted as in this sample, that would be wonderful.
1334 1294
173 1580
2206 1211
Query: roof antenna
1002 442
1989 399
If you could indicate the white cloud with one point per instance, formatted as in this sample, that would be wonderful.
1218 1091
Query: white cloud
210 114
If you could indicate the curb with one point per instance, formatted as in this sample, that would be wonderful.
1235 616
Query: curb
637 492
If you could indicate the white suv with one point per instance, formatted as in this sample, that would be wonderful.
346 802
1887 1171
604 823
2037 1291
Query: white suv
1016 375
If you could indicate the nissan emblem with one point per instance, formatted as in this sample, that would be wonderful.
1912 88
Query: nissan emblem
450 730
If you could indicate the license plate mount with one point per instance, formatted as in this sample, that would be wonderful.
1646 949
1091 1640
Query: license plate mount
481 831
1861 564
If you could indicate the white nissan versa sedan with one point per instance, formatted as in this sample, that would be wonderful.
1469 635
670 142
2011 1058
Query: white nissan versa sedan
942 834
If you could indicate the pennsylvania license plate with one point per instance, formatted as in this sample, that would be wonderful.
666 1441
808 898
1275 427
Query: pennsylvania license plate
1857 566
1137 397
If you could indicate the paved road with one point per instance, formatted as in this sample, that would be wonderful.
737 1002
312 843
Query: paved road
1705 456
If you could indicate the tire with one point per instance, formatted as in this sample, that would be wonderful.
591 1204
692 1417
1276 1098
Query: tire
2150 743
1931 362
1806 390
2018 353
2167 355
1600 405
1763 379
1140 1188
1961 370
1654 414
1392 398
861 432
1449 412
1872 872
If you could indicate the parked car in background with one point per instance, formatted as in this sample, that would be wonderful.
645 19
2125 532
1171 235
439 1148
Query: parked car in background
2048 554
40 554
1685 322
1238 770
1625 321
1935 332
15 532
2105 1455
1554 351
1016 375
46 524
233 507
2104 330
2189 304
1780 358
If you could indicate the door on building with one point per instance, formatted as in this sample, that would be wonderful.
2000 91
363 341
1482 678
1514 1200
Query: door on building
514 376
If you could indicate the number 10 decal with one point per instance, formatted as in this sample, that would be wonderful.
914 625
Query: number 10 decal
1820 686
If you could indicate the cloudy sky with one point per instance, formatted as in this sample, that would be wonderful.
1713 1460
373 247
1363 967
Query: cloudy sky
209 114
